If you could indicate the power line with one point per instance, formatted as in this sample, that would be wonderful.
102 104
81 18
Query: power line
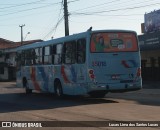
118 15
97 5
128 8
73 1
23 16
58 18
112 6
54 28
22 4
56 25
20 11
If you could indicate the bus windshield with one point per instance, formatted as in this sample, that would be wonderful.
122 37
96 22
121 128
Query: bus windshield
113 42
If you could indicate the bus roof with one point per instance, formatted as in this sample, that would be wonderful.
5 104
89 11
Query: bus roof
114 30
53 41
67 38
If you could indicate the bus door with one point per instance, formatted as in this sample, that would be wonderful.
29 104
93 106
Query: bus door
81 68
74 69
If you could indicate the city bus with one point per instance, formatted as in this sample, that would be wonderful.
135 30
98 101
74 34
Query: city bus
89 63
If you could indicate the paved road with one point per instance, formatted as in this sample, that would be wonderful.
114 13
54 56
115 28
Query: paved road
15 105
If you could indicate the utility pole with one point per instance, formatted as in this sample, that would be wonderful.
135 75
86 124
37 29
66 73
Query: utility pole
66 18
21 26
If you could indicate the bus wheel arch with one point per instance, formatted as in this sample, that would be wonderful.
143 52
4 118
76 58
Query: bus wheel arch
25 85
58 90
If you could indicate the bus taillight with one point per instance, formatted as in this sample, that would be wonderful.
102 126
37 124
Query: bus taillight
91 74
139 72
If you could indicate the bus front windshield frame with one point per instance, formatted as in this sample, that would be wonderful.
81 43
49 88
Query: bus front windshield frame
113 42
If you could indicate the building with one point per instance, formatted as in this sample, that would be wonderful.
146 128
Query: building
8 58
150 47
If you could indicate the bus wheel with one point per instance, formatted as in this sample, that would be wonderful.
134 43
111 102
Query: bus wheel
58 89
97 94
25 85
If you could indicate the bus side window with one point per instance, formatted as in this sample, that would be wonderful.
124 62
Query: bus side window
69 52
38 56
33 57
81 51
23 58
57 59
47 55
18 59
53 53
28 57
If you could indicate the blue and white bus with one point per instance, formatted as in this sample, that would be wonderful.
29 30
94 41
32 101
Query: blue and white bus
92 62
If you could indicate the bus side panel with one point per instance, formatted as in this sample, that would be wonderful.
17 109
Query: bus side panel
43 76
30 74
54 73
43 80
73 79
40 77
81 81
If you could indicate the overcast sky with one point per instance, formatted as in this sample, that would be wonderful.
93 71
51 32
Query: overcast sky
44 18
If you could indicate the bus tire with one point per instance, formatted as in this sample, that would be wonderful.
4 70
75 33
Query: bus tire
25 85
97 94
58 89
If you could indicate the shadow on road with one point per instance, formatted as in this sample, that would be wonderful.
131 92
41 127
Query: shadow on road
149 97
13 102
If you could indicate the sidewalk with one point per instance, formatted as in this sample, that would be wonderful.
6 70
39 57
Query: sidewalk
151 84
